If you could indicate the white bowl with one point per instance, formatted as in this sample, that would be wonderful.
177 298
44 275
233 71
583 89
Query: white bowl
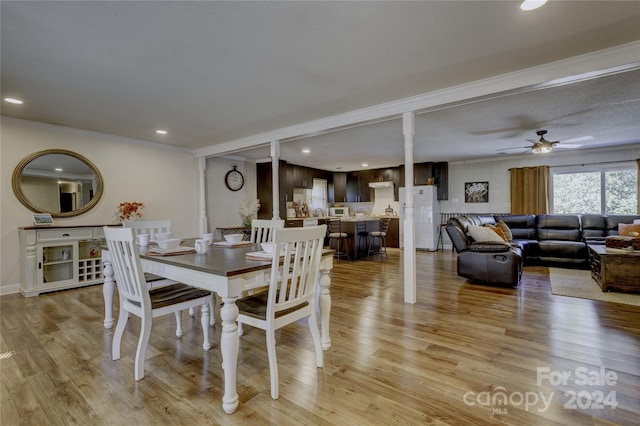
234 238
161 236
268 247
171 243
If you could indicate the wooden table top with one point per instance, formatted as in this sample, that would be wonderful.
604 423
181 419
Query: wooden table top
223 261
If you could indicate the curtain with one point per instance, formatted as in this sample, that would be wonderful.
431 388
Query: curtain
530 190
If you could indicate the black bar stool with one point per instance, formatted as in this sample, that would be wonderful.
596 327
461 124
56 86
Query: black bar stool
334 228
379 237
363 237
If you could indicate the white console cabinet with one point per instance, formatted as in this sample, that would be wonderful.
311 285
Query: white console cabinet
57 258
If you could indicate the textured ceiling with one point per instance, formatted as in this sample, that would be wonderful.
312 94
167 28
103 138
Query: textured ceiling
213 72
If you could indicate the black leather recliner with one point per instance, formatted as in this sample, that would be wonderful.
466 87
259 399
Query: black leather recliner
487 262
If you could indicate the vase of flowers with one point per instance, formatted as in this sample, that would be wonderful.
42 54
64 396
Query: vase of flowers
248 210
129 210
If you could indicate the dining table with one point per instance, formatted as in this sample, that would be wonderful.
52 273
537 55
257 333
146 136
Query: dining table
229 272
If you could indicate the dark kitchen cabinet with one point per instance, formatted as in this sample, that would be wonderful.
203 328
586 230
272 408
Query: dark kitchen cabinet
264 173
358 190
302 177
391 174
383 175
290 176
339 188
423 171
441 174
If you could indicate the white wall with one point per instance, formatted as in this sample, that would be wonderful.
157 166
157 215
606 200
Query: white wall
164 178
222 203
496 172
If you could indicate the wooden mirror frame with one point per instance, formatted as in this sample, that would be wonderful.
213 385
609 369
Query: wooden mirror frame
17 188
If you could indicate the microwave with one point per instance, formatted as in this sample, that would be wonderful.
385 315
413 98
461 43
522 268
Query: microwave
339 211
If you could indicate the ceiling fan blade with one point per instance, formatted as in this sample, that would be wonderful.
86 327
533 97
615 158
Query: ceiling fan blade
567 145
580 139
508 149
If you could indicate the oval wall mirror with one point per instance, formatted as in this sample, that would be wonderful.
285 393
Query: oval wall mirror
57 181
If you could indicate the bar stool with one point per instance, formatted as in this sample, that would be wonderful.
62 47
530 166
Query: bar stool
334 228
363 236
381 238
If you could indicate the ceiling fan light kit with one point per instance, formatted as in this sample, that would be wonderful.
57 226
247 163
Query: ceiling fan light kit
541 149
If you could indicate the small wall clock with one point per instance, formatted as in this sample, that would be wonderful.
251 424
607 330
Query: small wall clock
234 180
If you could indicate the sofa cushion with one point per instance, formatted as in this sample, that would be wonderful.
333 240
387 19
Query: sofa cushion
558 227
530 249
593 227
498 231
625 229
505 230
522 227
574 252
483 234
457 236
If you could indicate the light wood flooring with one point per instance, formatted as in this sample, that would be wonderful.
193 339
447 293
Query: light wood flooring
445 360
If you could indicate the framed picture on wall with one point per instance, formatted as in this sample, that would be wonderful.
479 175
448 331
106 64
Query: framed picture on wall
476 192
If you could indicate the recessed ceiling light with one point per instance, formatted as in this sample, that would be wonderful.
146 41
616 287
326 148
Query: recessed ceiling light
14 101
306 151
58 169
532 4
365 165
161 132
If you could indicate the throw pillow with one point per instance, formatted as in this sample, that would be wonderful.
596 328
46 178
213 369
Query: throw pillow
505 230
497 231
483 234
624 229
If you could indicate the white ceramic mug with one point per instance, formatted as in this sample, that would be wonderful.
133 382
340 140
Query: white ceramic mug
208 238
201 246
143 240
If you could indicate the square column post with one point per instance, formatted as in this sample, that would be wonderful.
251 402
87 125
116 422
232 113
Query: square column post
408 130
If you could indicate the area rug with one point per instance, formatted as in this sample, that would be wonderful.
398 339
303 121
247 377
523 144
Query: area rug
578 283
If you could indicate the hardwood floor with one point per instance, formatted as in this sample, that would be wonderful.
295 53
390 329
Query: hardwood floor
448 359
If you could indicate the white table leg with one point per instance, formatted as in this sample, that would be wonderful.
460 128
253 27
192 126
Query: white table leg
108 289
325 302
229 345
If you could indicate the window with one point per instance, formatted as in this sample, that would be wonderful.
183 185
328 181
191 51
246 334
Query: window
596 189
318 195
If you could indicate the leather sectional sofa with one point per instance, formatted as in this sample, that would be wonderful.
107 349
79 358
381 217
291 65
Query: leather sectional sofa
536 239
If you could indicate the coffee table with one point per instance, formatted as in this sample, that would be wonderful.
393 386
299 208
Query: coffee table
615 271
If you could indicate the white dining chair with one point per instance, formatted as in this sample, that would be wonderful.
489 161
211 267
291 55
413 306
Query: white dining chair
291 295
262 229
136 298
153 227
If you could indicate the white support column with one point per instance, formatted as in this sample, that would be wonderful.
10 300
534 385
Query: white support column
202 166
275 181
408 130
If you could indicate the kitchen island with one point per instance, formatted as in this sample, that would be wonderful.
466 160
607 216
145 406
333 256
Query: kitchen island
358 242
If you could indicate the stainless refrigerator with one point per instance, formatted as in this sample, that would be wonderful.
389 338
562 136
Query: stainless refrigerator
427 216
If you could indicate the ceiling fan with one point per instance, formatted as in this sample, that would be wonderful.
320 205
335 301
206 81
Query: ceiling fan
543 146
